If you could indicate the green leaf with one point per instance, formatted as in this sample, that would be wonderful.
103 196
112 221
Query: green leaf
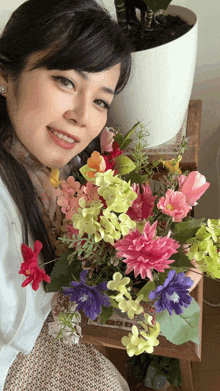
62 274
124 165
86 169
106 314
181 260
186 229
113 302
156 5
119 138
128 134
147 288
124 141
135 178
179 329
154 380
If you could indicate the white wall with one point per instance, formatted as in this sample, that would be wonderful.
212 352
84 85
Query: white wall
6 10
207 87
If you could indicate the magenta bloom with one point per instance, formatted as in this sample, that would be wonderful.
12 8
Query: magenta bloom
174 204
143 206
144 252
193 186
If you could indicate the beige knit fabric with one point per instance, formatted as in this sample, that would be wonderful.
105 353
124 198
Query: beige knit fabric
58 367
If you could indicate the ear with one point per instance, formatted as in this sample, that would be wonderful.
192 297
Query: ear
3 78
3 83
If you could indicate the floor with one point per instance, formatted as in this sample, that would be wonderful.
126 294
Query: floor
206 374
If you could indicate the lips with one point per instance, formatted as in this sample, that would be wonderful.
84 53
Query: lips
62 138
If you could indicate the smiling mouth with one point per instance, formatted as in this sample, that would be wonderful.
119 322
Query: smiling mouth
63 136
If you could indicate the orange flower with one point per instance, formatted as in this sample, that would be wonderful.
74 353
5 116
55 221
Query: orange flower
97 162
172 167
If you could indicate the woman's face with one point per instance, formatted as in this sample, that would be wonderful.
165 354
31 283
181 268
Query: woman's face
56 114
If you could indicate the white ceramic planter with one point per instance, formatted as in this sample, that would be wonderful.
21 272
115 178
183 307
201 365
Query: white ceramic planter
109 5
159 88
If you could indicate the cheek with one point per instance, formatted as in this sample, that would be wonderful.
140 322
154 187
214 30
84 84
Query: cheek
96 126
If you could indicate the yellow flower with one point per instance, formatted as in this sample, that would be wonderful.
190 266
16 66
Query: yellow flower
54 177
172 165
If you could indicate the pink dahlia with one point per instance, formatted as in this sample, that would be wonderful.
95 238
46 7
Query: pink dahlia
144 252
143 206
174 204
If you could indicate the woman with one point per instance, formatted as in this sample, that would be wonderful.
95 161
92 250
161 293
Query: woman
60 65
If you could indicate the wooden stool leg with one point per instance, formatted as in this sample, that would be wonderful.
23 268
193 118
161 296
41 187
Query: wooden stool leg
186 374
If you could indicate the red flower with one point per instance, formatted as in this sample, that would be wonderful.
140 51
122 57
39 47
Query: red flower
142 207
110 158
30 266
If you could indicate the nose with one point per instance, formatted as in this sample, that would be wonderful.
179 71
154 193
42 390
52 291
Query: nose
79 113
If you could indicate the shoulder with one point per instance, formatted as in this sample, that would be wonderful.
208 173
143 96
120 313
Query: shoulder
7 204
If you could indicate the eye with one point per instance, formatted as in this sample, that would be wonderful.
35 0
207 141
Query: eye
64 82
102 103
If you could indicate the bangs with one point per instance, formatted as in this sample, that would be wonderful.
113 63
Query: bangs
87 44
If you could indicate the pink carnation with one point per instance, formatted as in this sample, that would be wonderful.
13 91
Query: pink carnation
144 252
193 186
174 204
143 206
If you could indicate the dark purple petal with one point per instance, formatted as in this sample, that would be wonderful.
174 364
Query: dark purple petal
83 275
102 287
105 300
174 294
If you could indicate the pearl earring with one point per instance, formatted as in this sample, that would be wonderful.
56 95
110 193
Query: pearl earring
3 89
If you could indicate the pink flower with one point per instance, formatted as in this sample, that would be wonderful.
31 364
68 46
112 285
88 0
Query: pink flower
144 252
91 191
106 140
143 206
30 266
68 196
193 186
174 204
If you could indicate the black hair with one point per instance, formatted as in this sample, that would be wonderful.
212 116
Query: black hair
69 34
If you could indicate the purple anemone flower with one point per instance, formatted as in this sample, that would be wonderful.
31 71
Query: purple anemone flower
89 298
173 294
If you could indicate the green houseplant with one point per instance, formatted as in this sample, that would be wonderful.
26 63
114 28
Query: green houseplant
162 68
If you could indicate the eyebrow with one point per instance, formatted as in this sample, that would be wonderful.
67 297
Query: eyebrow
105 89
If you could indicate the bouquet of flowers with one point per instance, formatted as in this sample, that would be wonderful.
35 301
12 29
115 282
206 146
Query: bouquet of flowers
127 242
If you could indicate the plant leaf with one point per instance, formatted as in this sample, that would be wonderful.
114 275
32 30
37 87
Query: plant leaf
86 169
62 274
106 314
124 141
147 288
156 5
181 328
186 229
124 165
153 380
181 260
